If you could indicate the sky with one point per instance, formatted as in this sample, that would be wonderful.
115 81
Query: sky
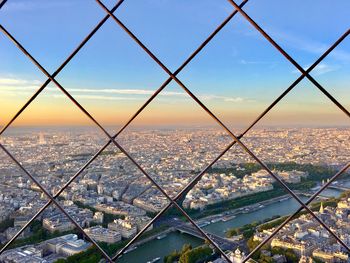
237 75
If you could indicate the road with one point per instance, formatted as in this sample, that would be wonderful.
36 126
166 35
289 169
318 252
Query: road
223 243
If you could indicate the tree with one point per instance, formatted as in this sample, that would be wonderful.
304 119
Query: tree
174 256
186 247
277 251
265 259
291 257
196 254
252 244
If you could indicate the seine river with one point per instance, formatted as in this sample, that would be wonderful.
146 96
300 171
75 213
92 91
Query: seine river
175 240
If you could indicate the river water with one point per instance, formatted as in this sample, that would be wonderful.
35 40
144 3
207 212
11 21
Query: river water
175 240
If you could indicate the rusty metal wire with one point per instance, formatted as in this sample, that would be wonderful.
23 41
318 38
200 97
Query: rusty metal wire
172 77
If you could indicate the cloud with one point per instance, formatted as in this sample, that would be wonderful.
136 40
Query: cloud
257 62
16 82
223 98
340 55
323 69
145 92
308 45
126 91
97 97
18 87
14 94
320 69
238 99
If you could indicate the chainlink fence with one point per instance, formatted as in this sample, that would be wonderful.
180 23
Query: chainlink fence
237 9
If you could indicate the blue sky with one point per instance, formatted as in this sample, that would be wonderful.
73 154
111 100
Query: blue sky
237 75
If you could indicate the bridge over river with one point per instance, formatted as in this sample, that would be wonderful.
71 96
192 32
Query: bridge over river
222 242
339 187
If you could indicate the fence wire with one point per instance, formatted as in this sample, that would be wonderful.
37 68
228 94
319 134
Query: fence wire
112 139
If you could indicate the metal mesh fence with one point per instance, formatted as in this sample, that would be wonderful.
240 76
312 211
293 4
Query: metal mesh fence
236 139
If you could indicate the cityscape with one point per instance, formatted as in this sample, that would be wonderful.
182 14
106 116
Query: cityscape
112 200
174 131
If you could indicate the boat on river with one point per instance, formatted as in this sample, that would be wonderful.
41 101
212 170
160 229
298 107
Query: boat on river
216 220
161 236
130 249
227 218
203 224
283 199
153 260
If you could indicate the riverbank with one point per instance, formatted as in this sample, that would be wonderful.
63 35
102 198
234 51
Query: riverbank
217 218
159 236
242 210
174 240
150 247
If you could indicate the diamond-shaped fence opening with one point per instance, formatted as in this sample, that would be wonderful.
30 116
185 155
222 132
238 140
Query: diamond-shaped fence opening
83 213
173 162
59 153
